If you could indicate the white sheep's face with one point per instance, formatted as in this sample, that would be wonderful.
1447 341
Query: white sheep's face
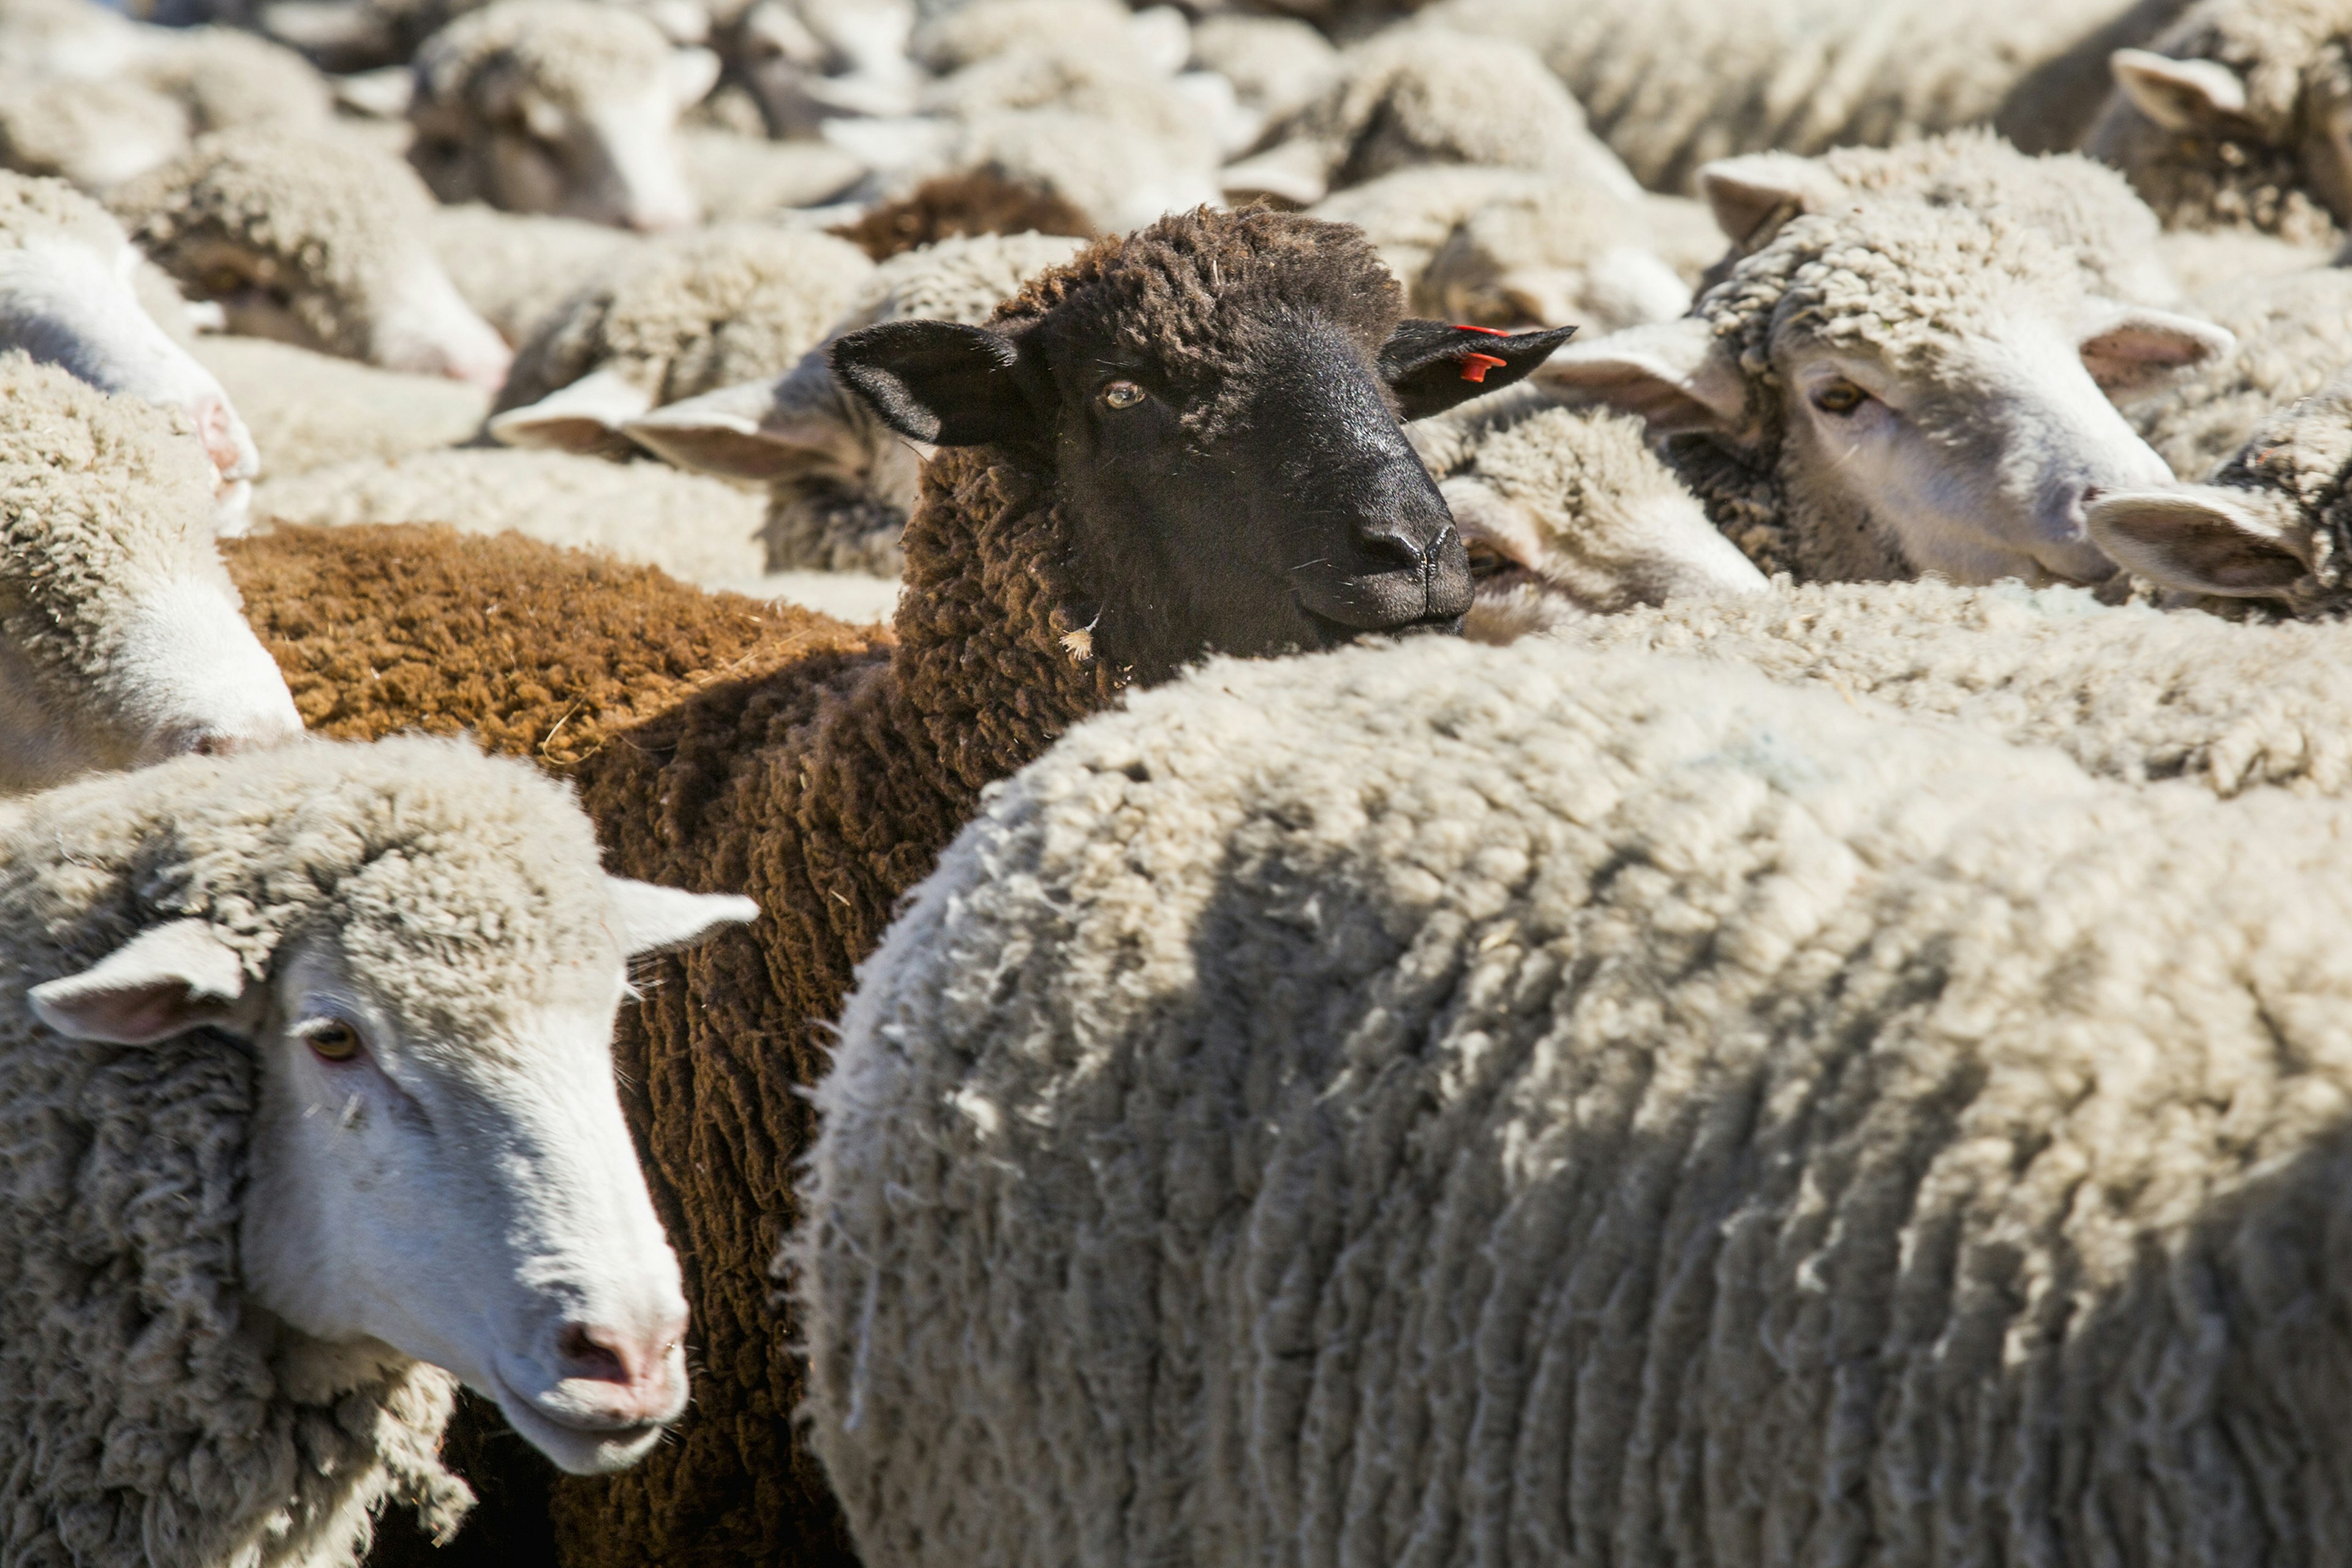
615 161
74 307
1974 457
461 1187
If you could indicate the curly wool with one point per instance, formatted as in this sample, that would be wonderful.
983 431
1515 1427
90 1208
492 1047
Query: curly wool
1671 84
2127 691
724 305
824 788
2294 332
333 225
2292 56
149 1411
102 500
1900 276
1520 1106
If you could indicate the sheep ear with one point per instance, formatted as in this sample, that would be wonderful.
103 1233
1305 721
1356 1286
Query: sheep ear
2199 539
648 917
1753 195
758 430
2180 95
2138 350
1675 375
1431 367
163 982
692 74
939 382
579 417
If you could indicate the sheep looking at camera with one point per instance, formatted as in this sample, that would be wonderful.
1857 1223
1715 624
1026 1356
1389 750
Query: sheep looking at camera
367 1139
1182 440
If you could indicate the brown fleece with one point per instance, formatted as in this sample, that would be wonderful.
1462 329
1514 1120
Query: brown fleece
979 202
797 761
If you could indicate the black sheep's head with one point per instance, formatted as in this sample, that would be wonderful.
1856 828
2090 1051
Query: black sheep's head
1218 399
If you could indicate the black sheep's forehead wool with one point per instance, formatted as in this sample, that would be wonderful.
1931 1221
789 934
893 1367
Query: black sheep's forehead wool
1195 295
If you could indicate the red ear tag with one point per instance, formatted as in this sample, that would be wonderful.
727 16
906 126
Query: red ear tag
1490 332
1475 366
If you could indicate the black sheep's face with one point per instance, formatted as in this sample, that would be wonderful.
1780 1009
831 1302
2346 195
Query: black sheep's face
1277 509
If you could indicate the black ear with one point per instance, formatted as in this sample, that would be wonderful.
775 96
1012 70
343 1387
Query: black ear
1432 366
939 382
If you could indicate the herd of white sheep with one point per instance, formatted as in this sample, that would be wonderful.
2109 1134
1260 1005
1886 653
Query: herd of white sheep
1128 870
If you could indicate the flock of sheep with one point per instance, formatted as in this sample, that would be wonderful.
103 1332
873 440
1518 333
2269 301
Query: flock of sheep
740 820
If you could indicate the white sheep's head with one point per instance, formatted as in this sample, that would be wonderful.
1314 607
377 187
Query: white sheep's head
439 1167
1569 512
1929 389
121 638
341 265
70 295
565 107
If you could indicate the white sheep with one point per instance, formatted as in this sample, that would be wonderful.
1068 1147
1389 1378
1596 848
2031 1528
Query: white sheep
2295 333
73 293
557 105
2235 117
309 410
680 317
365 1137
841 481
1671 84
735 177
1277 65
1426 95
1503 247
1899 387
1567 511
804 61
317 239
1529 1106
120 637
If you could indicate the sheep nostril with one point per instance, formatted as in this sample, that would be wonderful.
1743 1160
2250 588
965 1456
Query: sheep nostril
585 1355
1393 552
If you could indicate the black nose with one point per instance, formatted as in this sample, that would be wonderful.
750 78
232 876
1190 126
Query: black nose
1393 551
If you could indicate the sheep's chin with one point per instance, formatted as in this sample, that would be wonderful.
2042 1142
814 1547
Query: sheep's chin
576 1450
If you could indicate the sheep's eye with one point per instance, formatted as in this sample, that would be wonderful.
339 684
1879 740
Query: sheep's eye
1485 559
332 1040
1122 395
1839 397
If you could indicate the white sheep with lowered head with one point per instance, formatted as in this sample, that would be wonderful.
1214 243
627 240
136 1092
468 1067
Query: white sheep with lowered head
841 482
308 1109
684 316
557 105
1567 513
122 640
74 292
1524 1105
1897 387
317 239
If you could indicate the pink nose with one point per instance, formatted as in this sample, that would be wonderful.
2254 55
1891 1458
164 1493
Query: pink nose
638 1371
